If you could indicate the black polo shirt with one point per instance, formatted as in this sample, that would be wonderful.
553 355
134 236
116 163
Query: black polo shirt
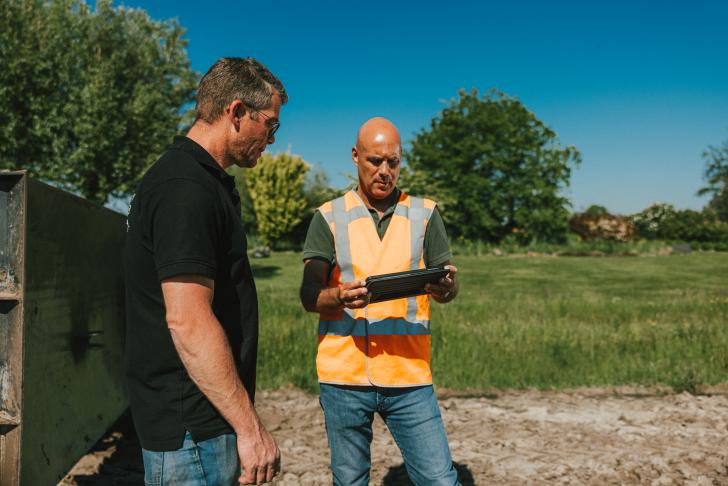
184 219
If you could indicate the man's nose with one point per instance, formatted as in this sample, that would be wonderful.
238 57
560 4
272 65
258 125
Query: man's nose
271 139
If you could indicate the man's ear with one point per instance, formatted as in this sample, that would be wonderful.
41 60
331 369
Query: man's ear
235 112
355 155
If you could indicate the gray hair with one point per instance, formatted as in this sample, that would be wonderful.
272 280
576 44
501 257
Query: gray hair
236 78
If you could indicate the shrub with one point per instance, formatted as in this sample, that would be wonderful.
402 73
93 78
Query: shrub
648 222
663 221
689 225
276 190
596 223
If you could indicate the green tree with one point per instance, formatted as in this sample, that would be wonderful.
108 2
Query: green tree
495 168
88 97
276 189
716 176
596 210
317 190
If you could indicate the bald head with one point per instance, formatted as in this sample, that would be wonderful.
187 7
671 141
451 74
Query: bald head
377 131
377 157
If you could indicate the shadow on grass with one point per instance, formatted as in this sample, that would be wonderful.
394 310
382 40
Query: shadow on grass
265 271
397 476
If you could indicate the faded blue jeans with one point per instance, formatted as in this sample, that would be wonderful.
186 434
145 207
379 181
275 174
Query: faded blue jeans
412 416
212 462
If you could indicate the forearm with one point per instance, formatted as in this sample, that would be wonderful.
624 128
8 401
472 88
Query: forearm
204 350
317 296
321 299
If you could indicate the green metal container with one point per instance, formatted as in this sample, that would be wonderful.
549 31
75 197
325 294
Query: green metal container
61 328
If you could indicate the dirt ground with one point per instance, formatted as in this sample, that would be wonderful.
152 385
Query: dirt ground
585 436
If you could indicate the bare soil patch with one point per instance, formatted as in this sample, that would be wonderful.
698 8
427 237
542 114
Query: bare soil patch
584 436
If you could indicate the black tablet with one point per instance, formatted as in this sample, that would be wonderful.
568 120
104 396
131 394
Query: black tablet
391 286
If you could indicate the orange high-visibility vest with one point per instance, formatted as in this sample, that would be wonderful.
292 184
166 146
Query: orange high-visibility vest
386 343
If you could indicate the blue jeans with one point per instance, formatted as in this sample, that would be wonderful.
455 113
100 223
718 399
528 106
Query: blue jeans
412 416
212 462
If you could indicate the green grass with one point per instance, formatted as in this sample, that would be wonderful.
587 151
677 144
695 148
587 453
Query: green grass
539 322
573 246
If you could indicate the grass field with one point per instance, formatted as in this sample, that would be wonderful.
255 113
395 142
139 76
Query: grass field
538 322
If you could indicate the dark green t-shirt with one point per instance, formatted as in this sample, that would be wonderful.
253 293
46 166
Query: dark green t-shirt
320 242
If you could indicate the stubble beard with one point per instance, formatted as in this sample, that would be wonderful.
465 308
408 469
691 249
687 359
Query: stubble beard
243 158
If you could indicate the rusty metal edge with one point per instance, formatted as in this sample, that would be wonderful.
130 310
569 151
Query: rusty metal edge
10 476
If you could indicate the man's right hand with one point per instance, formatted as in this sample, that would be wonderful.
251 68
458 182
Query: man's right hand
353 295
317 296
260 458
204 349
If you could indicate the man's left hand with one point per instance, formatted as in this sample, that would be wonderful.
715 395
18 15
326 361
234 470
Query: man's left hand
446 288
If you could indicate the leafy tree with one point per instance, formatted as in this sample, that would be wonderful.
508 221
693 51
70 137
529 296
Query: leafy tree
88 97
276 188
596 210
719 205
317 190
716 175
495 168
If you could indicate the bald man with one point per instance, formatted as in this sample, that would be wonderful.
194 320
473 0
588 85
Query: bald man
376 357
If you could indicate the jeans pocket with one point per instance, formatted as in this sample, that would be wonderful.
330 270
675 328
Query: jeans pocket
153 466
181 467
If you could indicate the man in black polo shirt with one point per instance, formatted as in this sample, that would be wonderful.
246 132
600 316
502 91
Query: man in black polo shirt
192 314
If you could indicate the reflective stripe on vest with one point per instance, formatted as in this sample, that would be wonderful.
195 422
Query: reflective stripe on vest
387 343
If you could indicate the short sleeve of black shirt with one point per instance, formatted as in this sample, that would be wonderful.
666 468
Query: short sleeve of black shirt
184 227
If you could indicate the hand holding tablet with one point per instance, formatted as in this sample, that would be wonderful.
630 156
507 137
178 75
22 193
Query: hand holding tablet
353 295
446 289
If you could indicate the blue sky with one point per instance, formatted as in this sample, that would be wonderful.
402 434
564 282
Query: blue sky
640 88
